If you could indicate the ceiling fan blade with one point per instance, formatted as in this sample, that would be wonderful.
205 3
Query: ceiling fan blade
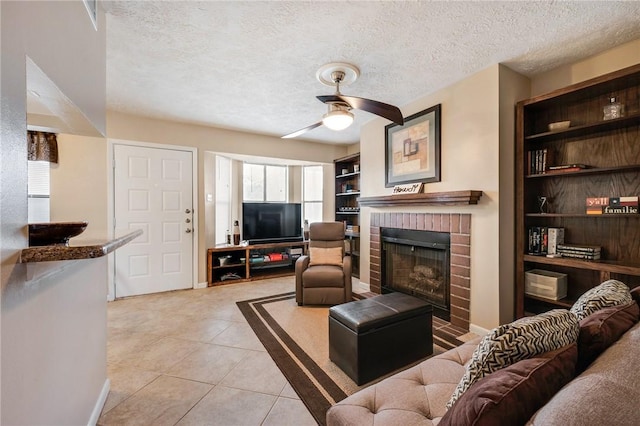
387 111
301 131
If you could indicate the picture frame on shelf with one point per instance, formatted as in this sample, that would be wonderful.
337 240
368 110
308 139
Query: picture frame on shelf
412 151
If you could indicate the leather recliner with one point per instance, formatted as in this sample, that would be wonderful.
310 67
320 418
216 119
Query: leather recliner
320 283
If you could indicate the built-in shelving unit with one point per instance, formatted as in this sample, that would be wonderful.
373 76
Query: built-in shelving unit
611 149
347 170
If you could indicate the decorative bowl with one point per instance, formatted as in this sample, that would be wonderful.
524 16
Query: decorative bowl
559 125
56 233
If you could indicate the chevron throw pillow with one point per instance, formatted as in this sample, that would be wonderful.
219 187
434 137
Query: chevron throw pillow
513 342
609 293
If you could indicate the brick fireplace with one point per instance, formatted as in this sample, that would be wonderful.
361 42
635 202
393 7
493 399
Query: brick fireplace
458 226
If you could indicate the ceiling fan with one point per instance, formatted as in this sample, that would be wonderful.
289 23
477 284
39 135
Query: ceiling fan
338 116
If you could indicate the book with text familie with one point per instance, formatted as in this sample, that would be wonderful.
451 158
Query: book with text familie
612 205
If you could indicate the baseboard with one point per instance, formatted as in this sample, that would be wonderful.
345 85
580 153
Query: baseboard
478 330
102 398
200 285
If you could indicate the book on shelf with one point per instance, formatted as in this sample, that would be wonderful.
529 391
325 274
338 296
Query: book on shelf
566 168
579 247
538 240
585 256
569 166
538 161
544 240
555 236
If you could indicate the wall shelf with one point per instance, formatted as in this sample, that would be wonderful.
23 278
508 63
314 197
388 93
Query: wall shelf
453 198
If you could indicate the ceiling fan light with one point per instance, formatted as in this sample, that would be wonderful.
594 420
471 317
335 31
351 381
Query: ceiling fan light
338 119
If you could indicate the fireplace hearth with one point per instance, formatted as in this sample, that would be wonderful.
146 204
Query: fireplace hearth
417 263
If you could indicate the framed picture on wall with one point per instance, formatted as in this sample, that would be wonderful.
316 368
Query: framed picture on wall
412 151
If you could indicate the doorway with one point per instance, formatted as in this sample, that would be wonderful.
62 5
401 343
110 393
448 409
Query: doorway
153 191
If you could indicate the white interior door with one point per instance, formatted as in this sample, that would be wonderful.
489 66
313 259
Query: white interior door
153 191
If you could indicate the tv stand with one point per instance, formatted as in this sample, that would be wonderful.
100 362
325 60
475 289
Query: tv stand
227 264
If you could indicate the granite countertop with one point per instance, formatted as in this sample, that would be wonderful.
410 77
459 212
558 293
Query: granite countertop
78 248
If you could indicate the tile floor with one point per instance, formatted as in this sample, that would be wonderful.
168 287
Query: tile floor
190 358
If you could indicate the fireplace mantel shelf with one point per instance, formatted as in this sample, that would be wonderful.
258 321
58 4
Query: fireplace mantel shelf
453 198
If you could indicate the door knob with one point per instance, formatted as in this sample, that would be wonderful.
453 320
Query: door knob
187 220
188 231
187 211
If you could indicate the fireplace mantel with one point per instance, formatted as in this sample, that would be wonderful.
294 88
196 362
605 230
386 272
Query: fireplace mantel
453 198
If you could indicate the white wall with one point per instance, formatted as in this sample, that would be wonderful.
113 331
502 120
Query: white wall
54 330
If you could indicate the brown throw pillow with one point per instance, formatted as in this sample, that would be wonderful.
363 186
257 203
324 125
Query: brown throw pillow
635 294
512 395
601 329
325 256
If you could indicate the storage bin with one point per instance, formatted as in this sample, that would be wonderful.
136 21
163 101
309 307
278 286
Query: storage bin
545 284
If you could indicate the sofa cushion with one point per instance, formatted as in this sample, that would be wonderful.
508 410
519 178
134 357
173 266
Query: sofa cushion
323 276
606 393
415 396
325 256
602 328
516 341
609 293
511 395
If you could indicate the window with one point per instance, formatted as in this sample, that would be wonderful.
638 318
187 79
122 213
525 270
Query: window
263 183
312 193
38 191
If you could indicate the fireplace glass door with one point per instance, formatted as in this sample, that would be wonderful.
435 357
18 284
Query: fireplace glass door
419 271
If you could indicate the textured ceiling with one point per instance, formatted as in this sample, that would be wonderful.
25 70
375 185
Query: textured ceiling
251 65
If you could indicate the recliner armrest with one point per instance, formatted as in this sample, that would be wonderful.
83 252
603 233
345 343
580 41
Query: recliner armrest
302 263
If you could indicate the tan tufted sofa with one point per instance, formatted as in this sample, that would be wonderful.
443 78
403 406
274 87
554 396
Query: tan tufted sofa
416 396
607 392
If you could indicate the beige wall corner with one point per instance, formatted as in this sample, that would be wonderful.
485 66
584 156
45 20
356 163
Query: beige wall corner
513 87
77 179
611 60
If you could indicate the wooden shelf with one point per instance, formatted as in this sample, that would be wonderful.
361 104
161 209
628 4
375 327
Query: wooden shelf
601 126
343 194
348 175
589 171
563 303
453 198
583 215
617 267
357 212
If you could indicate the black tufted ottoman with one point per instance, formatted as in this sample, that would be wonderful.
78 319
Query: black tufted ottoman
371 337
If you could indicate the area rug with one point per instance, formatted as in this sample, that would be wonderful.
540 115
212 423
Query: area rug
297 338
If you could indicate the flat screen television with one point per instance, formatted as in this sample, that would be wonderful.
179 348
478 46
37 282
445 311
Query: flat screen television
271 222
